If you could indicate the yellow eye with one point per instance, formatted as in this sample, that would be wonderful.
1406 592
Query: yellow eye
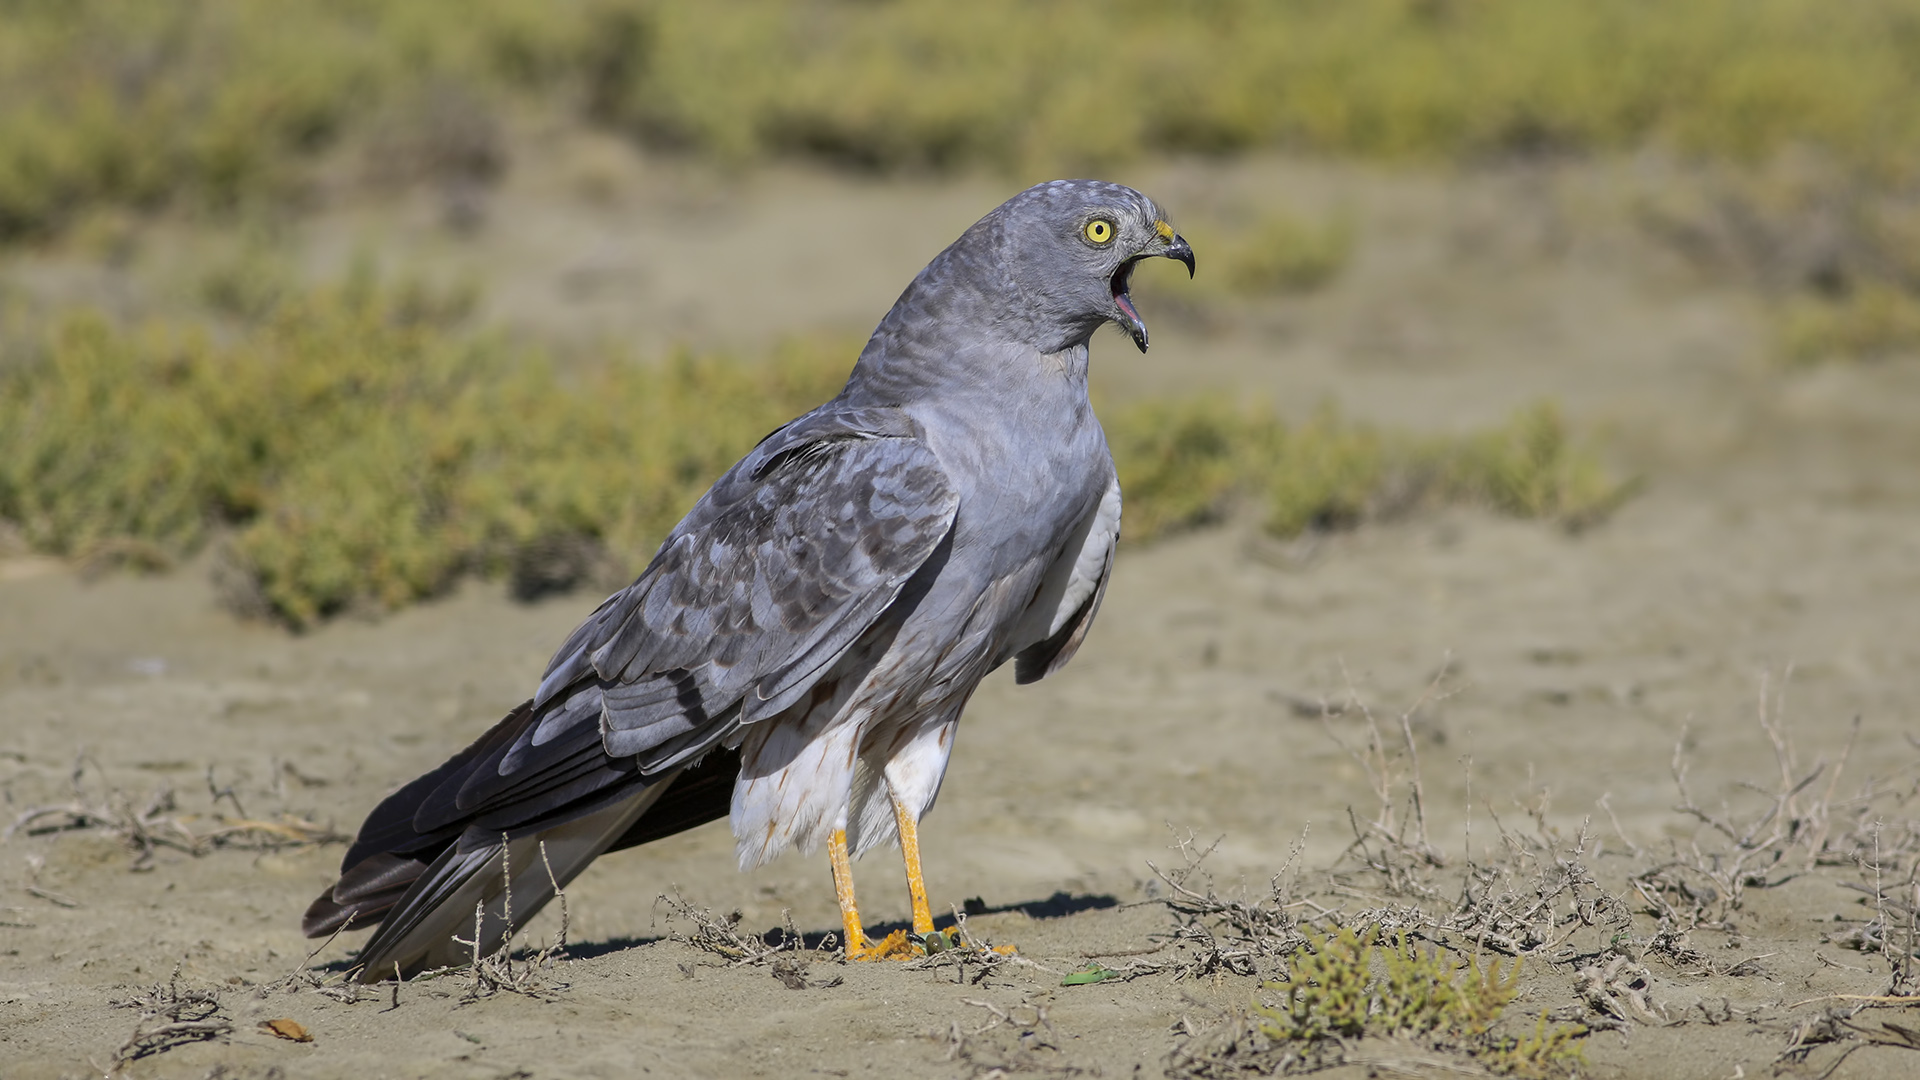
1100 230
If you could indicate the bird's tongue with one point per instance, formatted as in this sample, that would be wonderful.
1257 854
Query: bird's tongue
1136 329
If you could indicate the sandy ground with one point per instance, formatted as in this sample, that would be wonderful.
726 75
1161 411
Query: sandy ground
1776 545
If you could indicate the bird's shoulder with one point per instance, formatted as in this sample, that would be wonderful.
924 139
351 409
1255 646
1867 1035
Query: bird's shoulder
826 446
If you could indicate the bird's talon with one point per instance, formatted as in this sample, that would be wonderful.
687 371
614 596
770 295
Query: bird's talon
895 946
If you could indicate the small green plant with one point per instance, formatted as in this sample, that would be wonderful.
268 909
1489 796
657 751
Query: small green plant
1423 992
1285 254
1559 1050
1530 467
1870 322
1325 475
1328 992
1351 983
1181 461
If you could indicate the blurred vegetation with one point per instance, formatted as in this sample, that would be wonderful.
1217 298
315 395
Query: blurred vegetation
1181 462
1836 253
249 282
365 454
1187 463
1871 321
358 448
230 102
1277 253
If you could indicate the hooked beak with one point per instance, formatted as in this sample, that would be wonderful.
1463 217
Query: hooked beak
1177 249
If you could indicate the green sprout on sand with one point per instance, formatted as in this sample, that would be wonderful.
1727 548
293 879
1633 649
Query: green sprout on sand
1352 984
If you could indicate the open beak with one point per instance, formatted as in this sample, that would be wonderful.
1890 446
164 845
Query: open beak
1176 249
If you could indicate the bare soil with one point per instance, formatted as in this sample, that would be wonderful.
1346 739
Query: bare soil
1763 589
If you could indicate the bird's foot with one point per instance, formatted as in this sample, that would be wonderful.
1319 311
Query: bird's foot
902 945
935 941
895 946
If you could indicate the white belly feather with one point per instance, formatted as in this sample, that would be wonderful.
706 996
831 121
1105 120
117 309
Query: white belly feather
837 761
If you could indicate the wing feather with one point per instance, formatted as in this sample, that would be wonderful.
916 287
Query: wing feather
791 558
1080 601
786 563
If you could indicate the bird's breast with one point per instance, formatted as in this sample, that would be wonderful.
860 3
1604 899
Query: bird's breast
1031 475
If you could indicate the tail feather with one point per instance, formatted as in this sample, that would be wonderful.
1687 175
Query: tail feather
363 894
393 826
498 886
447 842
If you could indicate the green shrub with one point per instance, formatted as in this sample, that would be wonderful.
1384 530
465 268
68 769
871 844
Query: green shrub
222 102
1326 474
1352 984
226 102
1349 983
112 436
1873 321
1183 463
461 480
1284 254
1530 468
363 451
921 83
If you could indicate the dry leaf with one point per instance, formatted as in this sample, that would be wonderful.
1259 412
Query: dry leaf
291 1030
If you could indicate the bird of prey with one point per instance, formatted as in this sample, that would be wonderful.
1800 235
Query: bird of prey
797 655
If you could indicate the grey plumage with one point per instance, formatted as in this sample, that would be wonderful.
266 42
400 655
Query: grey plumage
814 627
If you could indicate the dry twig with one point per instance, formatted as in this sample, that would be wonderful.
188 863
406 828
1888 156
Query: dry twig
155 823
170 1017
497 971
722 937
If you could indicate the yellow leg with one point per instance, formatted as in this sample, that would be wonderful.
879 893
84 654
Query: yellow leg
910 854
894 946
856 942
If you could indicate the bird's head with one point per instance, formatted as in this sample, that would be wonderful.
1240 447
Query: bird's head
1070 247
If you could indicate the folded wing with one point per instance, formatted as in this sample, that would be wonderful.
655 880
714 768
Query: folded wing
798 551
